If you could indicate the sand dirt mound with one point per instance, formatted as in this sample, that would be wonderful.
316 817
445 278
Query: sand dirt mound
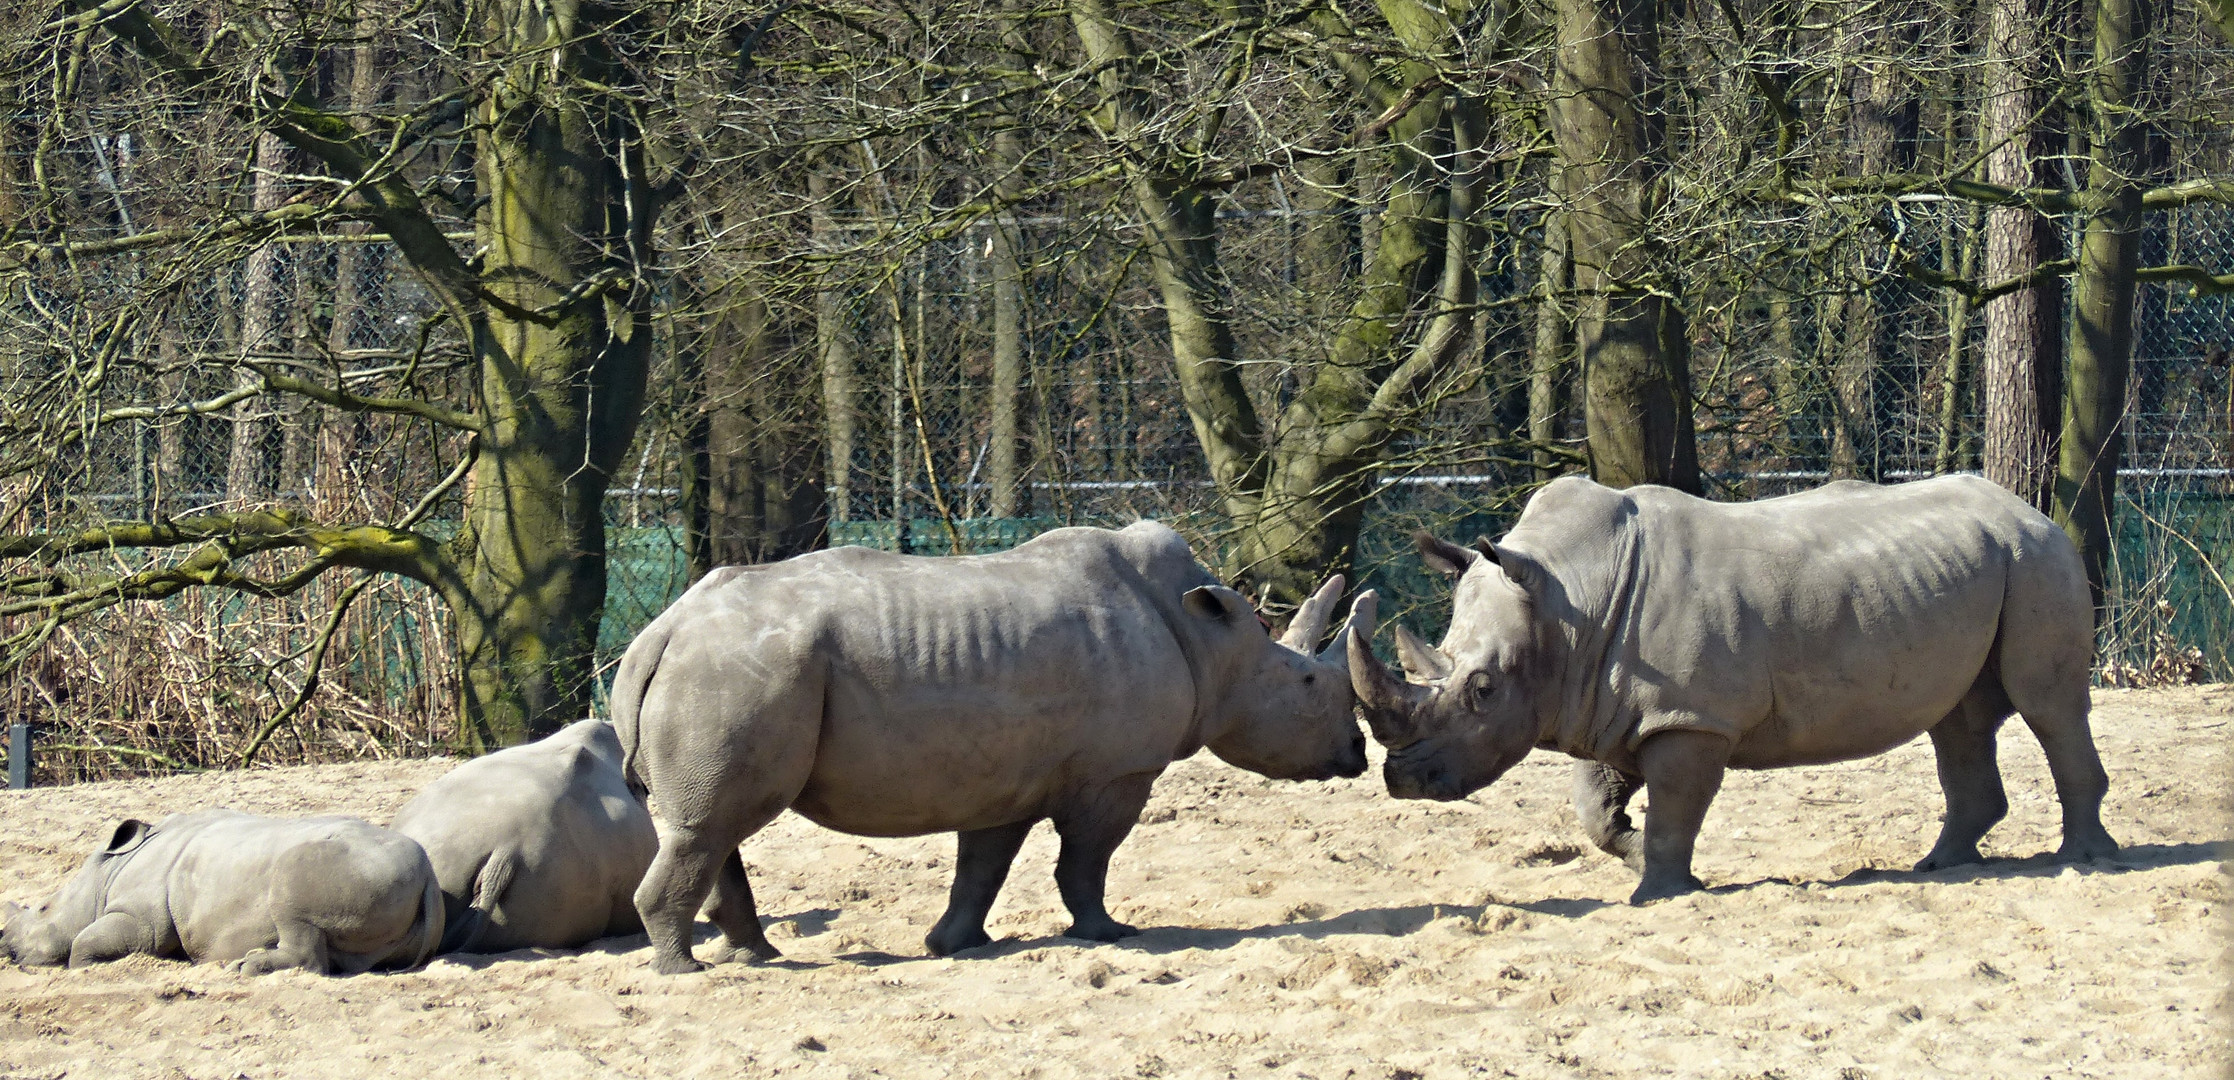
1318 931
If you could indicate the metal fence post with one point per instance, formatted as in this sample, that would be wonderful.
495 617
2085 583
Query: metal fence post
19 756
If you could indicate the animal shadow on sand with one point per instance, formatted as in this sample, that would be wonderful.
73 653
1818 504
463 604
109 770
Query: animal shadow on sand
2043 865
1379 922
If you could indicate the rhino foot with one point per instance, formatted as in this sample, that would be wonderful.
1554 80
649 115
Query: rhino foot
944 942
1650 889
1106 930
729 953
264 962
1941 860
2087 848
677 965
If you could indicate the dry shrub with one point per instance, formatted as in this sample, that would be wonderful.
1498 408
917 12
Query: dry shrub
192 682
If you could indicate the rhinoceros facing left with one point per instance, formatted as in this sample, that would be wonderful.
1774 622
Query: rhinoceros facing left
887 695
327 894
1662 639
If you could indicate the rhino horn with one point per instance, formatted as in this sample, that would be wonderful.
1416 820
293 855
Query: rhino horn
1422 662
1388 701
1310 620
1364 616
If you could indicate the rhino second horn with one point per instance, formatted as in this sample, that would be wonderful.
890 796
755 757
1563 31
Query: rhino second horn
1422 662
1311 618
1388 701
1364 616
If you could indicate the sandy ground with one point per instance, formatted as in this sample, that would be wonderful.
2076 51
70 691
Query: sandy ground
1317 931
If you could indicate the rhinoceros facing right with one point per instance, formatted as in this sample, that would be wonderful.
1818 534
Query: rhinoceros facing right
888 695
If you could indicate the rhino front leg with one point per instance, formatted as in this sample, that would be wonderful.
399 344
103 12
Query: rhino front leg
1682 772
1602 795
1090 833
1970 778
113 936
981 862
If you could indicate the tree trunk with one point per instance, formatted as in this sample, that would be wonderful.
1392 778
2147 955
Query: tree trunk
1297 504
761 501
562 383
2023 361
1548 352
1636 377
838 355
248 470
1954 377
2102 311
1882 121
1006 448
341 434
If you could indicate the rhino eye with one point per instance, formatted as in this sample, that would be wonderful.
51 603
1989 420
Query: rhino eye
1478 689
1310 677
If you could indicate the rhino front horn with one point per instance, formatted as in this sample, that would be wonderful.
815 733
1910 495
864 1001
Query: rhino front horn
1388 701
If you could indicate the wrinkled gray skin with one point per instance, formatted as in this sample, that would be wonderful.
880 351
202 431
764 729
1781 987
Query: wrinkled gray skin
888 695
538 845
326 894
1663 639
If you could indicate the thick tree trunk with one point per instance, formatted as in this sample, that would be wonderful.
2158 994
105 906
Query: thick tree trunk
2102 311
2023 357
1636 377
562 379
248 470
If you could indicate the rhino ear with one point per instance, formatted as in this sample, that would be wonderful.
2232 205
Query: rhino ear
1441 555
1218 604
1524 571
131 833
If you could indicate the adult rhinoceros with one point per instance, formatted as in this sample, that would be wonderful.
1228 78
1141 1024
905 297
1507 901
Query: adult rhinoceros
889 695
1663 638
536 845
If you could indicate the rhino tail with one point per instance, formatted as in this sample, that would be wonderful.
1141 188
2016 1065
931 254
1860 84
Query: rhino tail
430 923
630 684
489 887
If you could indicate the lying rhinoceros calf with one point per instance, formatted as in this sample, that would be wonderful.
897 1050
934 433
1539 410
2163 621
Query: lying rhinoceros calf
1663 638
888 695
538 845
326 894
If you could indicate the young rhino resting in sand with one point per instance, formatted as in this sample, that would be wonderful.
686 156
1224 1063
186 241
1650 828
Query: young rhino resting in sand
1663 638
538 845
325 894
888 695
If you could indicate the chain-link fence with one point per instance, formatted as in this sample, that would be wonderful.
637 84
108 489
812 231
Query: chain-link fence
1105 434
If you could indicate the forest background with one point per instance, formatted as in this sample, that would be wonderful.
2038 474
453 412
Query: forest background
371 370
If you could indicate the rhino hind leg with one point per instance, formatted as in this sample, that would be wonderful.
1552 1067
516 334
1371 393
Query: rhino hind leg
1602 795
1090 831
1682 772
732 909
981 861
301 945
1970 778
2080 780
